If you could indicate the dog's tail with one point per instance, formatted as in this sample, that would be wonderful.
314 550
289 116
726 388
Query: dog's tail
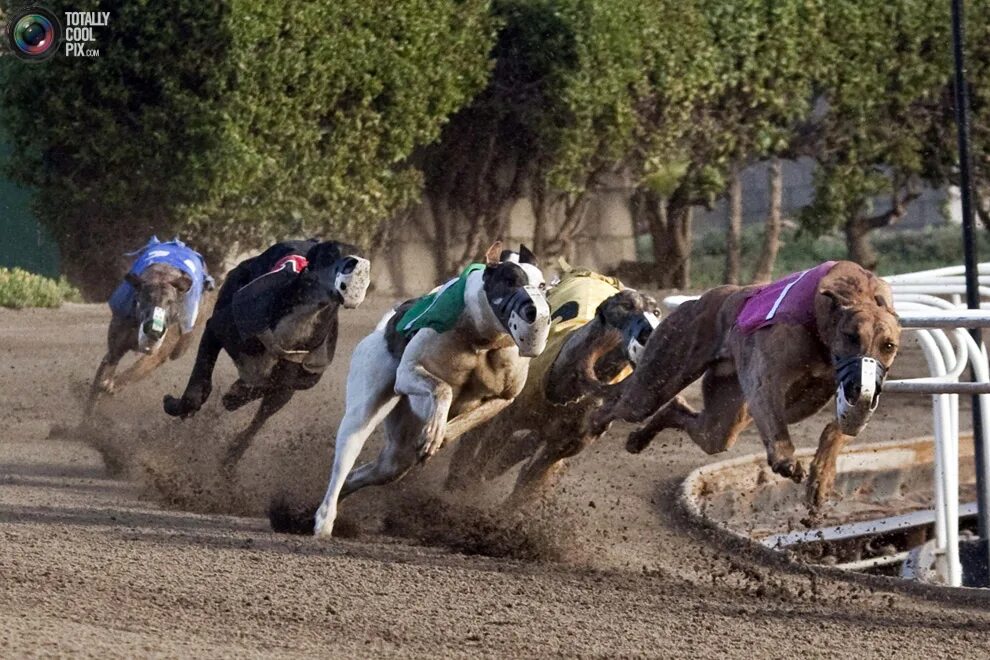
286 517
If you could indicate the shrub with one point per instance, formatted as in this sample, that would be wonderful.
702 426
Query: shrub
20 289
236 121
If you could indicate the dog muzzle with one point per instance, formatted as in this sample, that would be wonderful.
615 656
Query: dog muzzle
526 316
352 280
857 396
151 333
636 333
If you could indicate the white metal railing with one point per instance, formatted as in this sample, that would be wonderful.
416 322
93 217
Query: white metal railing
930 305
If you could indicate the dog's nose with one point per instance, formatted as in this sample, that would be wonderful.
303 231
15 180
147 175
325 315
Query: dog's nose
529 313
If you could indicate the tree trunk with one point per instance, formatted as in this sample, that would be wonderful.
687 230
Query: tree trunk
669 222
733 235
858 243
771 231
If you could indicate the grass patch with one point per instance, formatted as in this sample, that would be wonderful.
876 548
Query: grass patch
20 289
899 251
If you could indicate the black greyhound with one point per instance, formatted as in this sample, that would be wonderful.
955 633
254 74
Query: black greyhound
276 316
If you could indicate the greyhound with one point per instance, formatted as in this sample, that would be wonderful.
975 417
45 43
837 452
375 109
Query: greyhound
433 369
599 330
774 355
276 316
155 311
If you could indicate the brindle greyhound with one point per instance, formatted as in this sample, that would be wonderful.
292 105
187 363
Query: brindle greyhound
430 383
276 316
155 311
589 350
772 371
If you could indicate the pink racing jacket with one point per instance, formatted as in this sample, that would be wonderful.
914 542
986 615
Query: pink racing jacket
790 300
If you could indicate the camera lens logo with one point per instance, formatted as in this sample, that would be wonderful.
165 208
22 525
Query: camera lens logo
34 34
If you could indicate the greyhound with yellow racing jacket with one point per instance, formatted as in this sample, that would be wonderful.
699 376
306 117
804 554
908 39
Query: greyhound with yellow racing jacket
598 331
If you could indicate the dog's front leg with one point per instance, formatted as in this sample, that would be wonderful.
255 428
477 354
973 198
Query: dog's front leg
464 423
766 405
822 474
200 380
429 399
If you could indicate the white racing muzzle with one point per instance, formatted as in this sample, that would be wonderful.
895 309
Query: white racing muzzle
525 314
636 333
151 333
352 280
857 396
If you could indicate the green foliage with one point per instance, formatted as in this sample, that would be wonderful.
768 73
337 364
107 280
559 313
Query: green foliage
884 70
20 289
240 120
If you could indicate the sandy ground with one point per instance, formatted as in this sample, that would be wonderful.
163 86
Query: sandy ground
162 555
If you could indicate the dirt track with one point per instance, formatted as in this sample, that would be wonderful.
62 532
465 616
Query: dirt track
99 564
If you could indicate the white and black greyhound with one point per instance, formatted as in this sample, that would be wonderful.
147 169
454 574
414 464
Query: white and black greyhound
434 368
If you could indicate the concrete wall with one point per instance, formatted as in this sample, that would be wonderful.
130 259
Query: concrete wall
798 191
408 265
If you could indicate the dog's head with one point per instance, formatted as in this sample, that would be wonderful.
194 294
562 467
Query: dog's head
158 300
515 290
856 320
336 272
633 315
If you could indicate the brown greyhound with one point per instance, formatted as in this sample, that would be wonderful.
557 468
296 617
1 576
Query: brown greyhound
774 355
598 331
155 311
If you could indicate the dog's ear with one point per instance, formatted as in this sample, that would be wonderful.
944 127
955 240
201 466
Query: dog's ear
526 256
884 296
133 280
182 284
494 253
838 298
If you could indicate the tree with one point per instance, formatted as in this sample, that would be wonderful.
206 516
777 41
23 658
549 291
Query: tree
771 233
750 67
885 70
238 121
556 117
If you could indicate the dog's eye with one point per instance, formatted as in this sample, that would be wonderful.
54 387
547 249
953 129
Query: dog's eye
853 338
889 346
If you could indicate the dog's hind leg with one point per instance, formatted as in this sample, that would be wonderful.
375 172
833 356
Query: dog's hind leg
272 402
370 397
715 428
200 380
396 458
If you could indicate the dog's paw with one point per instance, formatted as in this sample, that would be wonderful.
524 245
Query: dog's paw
638 441
790 468
432 438
178 407
106 386
323 527
818 490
